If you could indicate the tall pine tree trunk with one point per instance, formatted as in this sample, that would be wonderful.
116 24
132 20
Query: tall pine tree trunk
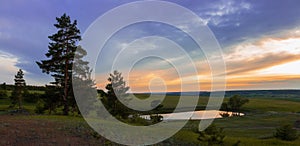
19 98
65 100
66 107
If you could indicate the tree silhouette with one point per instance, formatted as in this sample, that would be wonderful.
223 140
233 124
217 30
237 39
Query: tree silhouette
3 86
16 96
236 102
61 51
116 91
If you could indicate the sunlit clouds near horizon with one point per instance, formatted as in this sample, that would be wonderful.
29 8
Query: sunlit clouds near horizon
267 62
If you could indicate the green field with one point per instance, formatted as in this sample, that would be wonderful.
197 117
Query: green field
257 126
262 117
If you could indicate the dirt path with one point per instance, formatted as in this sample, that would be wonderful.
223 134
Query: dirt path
20 130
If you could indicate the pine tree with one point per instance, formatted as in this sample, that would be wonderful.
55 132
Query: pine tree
83 82
116 90
61 51
16 96
84 87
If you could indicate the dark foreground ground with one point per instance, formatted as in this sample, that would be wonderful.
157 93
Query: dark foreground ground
29 130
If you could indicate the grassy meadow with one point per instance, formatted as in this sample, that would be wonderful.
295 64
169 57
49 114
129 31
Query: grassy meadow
262 117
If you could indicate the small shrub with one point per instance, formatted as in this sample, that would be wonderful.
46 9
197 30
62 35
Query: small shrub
156 118
3 94
212 135
135 119
39 107
237 143
225 114
297 124
31 97
286 132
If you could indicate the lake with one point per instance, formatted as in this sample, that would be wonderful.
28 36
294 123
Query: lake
196 115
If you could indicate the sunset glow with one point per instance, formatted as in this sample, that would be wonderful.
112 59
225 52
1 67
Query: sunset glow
265 63
258 54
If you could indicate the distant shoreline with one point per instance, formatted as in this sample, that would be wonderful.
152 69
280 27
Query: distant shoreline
272 93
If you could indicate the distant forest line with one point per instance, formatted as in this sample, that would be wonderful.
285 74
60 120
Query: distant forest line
247 93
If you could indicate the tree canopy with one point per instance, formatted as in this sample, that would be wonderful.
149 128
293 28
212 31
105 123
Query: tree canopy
16 96
234 104
61 51
116 91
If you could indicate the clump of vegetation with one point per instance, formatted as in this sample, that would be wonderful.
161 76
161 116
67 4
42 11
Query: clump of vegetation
116 91
49 101
212 135
135 119
234 104
224 115
30 97
116 98
3 94
297 124
39 107
155 117
286 132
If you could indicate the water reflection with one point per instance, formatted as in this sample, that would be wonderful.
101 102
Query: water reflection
197 115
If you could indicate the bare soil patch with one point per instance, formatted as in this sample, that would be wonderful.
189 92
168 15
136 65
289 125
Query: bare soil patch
26 130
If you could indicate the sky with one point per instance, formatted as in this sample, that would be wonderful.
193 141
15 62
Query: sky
260 41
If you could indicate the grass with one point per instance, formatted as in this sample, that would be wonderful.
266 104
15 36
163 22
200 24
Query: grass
257 104
186 136
36 91
277 105
170 102
263 116
245 141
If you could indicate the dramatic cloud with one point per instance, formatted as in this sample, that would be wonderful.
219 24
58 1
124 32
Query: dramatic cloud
264 53
260 40
267 62
271 60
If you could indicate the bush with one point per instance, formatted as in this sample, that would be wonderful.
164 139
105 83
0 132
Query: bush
50 100
39 107
212 135
3 94
135 119
297 124
225 115
156 118
286 132
31 97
